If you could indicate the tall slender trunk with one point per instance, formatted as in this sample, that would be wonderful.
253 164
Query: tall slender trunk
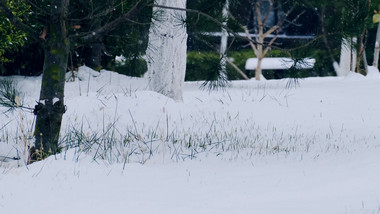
93 50
93 58
258 68
259 56
377 48
360 54
50 107
223 43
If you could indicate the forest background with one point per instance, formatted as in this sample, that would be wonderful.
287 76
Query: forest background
319 25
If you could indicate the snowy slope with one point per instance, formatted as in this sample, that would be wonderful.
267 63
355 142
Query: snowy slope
256 147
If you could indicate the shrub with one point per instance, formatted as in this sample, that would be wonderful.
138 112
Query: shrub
202 66
134 67
205 65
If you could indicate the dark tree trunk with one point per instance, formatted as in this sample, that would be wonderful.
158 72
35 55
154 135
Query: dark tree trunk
93 56
51 108
93 50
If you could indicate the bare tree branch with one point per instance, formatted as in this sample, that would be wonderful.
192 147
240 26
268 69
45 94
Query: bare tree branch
237 69
270 44
250 40
103 30
200 13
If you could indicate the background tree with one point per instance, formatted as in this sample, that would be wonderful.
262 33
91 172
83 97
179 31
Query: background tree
11 38
339 23
167 47
128 39
58 35
376 20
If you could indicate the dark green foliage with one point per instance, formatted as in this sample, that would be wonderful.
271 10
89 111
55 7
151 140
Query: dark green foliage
202 66
134 67
61 26
336 20
27 61
11 38
239 59
128 39
197 24
84 17
205 65
323 65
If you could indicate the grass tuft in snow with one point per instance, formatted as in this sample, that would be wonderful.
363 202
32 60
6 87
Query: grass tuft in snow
131 145
10 96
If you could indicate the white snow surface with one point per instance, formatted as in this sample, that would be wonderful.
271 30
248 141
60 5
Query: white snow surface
278 63
313 148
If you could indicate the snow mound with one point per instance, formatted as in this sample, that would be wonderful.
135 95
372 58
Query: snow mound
373 73
354 76
84 73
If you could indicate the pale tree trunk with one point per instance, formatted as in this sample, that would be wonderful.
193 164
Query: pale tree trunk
259 56
224 42
377 48
347 60
258 69
166 52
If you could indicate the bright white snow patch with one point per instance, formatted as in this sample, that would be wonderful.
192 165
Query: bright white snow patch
55 99
373 72
278 63
256 147
83 73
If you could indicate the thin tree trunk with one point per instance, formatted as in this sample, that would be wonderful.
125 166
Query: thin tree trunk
365 62
259 56
51 108
223 43
377 48
93 58
258 68
353 54
361 52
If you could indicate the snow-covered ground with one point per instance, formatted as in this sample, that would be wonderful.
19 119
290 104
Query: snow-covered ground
255 147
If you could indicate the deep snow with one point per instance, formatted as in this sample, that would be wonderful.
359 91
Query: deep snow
270 149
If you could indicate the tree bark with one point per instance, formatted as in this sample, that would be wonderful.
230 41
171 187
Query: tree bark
258 71
224 42
50 107
166 52
377 48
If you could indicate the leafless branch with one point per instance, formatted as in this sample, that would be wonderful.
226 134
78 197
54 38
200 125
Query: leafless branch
103 30
200 13
237 69
250 39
